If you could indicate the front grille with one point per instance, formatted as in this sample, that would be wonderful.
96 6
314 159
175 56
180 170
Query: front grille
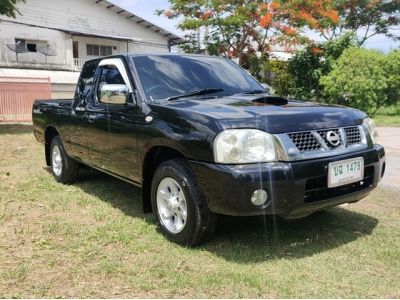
316 189
353 135
308 140
305 141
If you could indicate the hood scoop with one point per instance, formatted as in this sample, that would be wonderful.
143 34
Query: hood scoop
271 100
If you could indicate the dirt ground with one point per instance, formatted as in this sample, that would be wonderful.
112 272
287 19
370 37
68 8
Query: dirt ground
389 137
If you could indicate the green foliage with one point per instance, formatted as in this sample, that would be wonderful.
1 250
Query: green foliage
278 77
357 80
305 67
192 45
389 110
241 27
231 24
392 69
8 7
308 65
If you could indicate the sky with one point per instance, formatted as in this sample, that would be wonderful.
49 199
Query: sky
146 8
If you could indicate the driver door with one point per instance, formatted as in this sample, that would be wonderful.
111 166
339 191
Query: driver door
112 130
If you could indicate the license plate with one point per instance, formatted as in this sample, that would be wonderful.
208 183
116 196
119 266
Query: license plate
345 171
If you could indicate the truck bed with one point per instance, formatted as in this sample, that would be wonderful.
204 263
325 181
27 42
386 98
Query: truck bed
54 112
51 103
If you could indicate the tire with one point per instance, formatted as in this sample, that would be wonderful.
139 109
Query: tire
173 189
64 169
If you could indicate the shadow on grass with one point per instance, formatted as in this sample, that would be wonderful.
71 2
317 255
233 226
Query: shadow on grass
15 128
121 195
248 239
252 239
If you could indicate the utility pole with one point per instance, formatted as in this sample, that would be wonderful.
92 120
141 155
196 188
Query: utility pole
198 41
206 33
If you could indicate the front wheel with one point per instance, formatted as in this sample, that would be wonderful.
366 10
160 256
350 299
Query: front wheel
64 168
179 206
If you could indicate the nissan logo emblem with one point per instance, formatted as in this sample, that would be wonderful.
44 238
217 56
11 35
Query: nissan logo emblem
333 138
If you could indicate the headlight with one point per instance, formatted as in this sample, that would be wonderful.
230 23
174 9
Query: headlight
370 125
233 146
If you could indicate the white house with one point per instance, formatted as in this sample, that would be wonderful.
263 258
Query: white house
53 38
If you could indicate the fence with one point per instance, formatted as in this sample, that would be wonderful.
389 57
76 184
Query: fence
17 95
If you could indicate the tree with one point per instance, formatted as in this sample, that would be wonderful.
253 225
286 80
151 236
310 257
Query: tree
366 18
8 7
392 70
242 27
276 74
308 65
358 80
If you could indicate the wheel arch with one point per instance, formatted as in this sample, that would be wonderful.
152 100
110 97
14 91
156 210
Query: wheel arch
154 157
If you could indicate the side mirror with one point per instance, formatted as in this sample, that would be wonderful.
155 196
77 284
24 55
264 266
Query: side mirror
114 93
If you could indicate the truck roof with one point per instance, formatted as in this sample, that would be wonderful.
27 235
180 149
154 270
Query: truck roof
155 54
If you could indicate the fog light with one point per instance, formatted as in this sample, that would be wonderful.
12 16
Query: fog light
259 197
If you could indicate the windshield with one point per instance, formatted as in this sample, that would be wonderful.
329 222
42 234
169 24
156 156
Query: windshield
168 76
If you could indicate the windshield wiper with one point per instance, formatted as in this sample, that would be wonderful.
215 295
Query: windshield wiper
195 93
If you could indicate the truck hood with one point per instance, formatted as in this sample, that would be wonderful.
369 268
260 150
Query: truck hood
272 114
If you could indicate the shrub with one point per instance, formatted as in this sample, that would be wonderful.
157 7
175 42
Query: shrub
357 80
309 65
390 110
277 76
392 69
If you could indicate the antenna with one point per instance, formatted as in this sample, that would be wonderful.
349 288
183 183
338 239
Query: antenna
46 51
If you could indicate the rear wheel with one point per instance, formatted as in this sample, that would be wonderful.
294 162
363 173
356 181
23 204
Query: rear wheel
64 168
179 206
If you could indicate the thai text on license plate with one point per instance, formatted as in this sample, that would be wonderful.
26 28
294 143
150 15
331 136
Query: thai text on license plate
345 171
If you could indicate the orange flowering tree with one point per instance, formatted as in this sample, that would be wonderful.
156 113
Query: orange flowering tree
238 28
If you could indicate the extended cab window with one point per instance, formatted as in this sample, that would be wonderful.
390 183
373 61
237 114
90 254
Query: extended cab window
85 83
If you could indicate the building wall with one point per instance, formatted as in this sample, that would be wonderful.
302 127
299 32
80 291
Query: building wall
119 47
57 40
62 91
85 16
58 23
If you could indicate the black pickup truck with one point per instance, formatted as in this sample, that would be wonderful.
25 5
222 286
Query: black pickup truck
201 137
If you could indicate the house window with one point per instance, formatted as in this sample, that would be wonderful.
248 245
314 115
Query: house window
31 47
98 50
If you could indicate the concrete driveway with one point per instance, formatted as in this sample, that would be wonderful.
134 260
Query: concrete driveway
389 137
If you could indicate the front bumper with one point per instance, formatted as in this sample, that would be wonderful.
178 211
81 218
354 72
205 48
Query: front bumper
295 189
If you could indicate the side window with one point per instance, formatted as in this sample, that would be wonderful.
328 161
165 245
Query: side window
86 82
110 75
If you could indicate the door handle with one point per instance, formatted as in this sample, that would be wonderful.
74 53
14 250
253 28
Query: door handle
92 118
80 108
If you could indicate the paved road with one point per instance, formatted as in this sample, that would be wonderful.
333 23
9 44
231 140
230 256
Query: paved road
389 137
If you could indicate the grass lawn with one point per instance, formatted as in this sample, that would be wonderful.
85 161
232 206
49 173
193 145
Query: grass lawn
387 121
91 239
